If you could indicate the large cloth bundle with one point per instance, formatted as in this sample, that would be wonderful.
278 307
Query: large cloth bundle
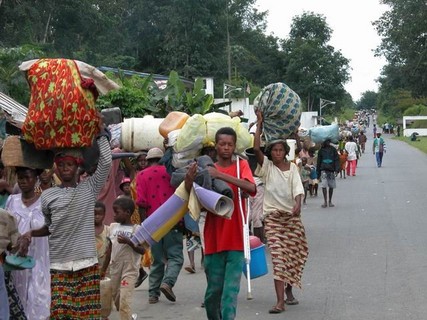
62 111
200 130
323 133
281 108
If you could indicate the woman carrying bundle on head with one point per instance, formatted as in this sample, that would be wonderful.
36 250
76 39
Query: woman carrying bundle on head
68 211
284 231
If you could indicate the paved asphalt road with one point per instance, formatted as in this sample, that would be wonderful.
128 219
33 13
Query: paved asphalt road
368 255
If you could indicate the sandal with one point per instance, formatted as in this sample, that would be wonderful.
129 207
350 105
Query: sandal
275 310
292 302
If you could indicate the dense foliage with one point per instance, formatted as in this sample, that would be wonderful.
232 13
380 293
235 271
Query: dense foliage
223 39
403 82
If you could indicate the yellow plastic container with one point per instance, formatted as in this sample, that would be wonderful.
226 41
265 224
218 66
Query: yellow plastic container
173 121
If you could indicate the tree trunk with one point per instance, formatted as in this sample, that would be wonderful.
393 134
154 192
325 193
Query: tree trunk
46 30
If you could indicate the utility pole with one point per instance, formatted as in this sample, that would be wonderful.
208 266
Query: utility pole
228 45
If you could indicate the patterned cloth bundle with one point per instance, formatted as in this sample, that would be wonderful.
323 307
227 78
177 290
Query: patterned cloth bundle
281 108
62 109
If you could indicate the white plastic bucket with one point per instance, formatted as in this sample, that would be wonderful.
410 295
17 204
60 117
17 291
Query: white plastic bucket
141 134
292 144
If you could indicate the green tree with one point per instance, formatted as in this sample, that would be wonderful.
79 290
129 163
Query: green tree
416 110
404 37
12 81
368 100
195 38
314 69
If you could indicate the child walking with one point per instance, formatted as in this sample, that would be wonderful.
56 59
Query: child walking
343 161
305 177
125 256
103 243
103 249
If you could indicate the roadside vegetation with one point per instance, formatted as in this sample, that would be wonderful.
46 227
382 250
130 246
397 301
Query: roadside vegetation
420 144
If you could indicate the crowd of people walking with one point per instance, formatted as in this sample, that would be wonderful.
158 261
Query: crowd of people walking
76 261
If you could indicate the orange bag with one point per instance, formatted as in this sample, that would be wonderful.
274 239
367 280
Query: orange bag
62 111
147 259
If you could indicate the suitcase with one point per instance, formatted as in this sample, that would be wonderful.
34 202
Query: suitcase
112 116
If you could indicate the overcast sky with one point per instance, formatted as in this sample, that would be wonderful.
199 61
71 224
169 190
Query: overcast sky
352 33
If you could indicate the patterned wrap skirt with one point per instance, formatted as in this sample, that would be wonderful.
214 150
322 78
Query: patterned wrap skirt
16 308
288 246
76 294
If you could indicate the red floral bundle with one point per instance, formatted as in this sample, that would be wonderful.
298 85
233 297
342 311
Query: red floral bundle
62 111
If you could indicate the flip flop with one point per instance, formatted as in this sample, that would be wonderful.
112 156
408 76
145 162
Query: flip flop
275 310
14 262
292 302
190 269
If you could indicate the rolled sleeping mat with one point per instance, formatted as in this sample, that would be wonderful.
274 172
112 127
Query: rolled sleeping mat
161 221
214 202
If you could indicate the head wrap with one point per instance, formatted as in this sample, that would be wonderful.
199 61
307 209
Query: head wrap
70 154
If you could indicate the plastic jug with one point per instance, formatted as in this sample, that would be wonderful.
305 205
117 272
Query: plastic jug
173 121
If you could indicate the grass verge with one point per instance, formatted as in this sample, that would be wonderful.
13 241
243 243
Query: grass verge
420 144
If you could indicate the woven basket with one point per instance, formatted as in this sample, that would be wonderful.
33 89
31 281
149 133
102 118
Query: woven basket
17 152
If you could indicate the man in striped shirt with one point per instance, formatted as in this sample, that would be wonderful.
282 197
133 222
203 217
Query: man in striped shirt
68 209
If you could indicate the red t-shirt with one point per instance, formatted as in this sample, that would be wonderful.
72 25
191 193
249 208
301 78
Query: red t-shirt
153 188
223 234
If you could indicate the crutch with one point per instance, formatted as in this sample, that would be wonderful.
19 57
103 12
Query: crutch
246 243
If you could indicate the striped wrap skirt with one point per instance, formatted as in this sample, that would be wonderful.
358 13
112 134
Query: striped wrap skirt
288 247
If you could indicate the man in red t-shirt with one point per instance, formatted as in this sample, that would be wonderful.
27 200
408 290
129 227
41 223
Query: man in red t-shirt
224 255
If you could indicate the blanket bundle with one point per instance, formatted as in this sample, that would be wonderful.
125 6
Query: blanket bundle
281 108
62 109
